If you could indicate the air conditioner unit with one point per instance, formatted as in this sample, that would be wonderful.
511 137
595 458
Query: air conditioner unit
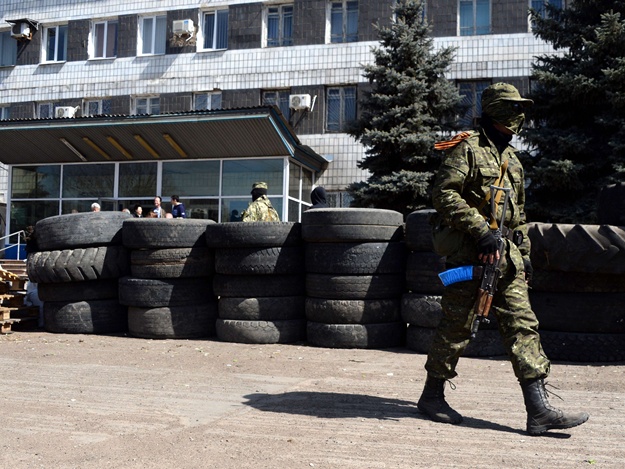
183 27
65 111
299 101
20 31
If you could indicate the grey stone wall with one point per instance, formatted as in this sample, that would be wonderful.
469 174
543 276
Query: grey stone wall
245 26
127 36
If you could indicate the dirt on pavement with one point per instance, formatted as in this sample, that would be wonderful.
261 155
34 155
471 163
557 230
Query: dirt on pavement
87 401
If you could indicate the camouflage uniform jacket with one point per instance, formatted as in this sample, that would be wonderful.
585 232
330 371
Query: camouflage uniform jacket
261 210
460 186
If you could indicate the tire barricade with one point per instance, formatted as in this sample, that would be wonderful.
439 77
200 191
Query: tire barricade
354 277
77 268
421 304
343 278
260 281
169 292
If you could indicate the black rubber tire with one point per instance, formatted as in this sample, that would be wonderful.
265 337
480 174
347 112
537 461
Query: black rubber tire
85 317
487 343
354 287
174 322
580 312
578 248
360 336
172 262
261 332
262 309
351 233
79 291
554 281
155 293
263 261
422 269
254 234
418 231
583 347
78 265
254 286
151 233
80 230
352 216
355 258
421 310
330 311
611 205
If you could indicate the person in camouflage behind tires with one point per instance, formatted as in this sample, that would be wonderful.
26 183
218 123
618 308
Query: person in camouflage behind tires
461 232
260 209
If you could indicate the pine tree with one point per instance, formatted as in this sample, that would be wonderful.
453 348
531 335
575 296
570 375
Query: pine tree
403 114
577 142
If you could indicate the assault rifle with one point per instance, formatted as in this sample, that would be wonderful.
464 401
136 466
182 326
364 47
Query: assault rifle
489 273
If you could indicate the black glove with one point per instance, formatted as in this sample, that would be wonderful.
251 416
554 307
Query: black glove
529 270
487 244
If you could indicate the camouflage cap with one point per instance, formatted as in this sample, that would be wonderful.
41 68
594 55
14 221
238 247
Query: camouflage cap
259 185
502 92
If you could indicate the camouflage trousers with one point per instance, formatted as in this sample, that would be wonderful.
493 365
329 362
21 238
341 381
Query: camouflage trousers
517 322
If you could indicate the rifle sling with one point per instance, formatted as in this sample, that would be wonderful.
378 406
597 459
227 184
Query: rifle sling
493 219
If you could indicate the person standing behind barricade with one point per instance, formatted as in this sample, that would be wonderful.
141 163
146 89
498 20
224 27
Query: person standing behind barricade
177 208
476 164
95 207
158 210
260 209
318 197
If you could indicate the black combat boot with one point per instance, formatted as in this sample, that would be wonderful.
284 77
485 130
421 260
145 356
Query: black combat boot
541 416
432 402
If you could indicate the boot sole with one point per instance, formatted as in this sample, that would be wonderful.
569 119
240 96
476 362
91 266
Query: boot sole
544 428
436 418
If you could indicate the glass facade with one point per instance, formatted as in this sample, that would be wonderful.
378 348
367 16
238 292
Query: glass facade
210 189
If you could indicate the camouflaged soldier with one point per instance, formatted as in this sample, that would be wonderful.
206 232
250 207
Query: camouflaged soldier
260 209
461 194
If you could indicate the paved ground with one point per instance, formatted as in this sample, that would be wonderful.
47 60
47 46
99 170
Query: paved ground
84 401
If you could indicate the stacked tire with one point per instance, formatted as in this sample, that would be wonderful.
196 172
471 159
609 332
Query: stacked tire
77 268
421 304
578 290
169 292
259 280
355 261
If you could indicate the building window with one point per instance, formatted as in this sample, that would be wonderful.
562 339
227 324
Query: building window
97 107
45 110
215 30
340 108
278 98
152 35
471 92
279 25
8 49
5 113
148 105
207 101
541 6
474 17
343 21
55 44
104 40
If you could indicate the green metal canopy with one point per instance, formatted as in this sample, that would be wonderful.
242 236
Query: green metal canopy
232 133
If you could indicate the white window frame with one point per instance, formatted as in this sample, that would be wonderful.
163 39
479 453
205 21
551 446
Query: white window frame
154 39
92 38
344 35
342 122
201 35
87 105
52 108
44 45
490 18
265 33
150 104
211 101
5 113
7 42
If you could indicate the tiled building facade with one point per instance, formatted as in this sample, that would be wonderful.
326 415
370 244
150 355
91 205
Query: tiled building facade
122 57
